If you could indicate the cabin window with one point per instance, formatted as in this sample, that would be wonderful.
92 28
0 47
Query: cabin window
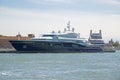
67 45
51 44
74 45
58 44
24 46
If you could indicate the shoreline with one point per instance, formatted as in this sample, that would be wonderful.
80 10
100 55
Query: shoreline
14 51
8 50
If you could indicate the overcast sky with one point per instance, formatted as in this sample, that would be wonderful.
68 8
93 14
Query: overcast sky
44 16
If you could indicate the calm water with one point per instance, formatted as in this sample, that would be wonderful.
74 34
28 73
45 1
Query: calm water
72 66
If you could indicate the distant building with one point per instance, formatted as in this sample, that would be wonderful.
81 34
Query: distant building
4 40
31 35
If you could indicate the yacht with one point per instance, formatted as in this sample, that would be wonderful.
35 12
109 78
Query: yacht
66 42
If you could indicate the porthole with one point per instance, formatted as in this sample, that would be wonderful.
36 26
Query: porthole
24 46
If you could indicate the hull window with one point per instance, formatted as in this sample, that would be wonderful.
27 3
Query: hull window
24 46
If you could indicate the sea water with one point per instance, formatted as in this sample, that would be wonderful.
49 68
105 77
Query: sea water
60 66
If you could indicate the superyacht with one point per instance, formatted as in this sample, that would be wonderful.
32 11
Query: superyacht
66 42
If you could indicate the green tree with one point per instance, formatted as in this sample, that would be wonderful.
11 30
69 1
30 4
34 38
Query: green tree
116 44
0 35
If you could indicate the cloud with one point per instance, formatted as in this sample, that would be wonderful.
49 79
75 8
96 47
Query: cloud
45 21
62 1
98 6
113 2
51 1
16 12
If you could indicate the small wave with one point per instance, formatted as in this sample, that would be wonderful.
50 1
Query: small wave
6 73
71 71
23 74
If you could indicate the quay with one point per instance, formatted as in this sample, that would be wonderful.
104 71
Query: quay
5 45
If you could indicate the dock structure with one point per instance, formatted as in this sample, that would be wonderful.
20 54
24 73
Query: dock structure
96 40
5 45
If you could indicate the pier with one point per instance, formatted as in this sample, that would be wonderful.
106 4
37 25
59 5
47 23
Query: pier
6 47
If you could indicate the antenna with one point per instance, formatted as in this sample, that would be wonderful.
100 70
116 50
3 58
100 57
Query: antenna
100 31
64 30
68 25
73 29
90 32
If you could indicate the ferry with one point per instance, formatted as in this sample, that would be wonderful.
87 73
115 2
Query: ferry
96 40
66 42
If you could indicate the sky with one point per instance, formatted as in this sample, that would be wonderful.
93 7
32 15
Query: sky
44 16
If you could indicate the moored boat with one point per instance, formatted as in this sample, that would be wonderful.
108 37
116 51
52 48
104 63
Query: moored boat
66 42
96 40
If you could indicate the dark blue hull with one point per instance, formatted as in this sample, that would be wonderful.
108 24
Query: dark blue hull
51 47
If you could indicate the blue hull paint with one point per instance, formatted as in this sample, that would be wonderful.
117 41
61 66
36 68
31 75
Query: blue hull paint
51 47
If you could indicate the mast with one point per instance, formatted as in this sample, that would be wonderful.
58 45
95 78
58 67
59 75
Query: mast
68 25
69 28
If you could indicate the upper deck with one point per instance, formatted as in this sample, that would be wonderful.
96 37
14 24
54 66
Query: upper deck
96 38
